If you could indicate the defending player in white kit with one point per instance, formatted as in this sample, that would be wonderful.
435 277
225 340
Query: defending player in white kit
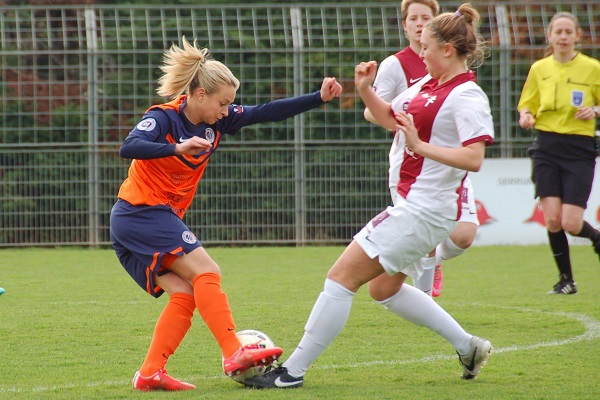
447 126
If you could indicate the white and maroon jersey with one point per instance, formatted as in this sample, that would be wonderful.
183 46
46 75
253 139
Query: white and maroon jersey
400 102
397 73
452 115
395 76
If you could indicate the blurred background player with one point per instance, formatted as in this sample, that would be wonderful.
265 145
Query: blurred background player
170 148
560 100
447 128
397 73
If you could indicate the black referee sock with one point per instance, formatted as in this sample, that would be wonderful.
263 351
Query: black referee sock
588 231
560 250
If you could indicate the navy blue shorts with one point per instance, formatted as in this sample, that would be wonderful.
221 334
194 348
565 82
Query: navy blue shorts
141 235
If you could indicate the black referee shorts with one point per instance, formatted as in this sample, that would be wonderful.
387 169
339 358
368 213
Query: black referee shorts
563 166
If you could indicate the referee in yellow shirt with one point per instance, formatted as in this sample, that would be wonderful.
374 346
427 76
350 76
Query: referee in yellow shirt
560 99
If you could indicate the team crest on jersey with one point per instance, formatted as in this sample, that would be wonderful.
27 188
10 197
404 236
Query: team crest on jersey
189 237
238 109
430 99
209 134
147 124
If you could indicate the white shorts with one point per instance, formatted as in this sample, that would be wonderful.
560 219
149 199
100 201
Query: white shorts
401 235
469 209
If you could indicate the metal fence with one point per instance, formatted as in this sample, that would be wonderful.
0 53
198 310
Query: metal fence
74 80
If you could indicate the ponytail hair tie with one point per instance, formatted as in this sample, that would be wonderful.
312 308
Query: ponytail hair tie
458 14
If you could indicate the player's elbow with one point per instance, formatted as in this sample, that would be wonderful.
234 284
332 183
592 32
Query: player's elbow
123 152
475 164
475 168
126 149
368 116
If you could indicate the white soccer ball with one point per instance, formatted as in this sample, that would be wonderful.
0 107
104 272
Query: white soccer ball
251 336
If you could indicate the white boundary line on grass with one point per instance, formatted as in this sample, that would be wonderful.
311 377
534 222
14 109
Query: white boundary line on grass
592 331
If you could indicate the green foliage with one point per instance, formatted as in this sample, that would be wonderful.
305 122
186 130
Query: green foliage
78 327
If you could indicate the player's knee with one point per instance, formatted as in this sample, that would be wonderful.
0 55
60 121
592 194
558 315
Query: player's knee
572 227
553 223
173 283
464 242
464 235
380 292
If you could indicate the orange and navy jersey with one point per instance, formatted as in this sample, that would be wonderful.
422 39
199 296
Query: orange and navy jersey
157 176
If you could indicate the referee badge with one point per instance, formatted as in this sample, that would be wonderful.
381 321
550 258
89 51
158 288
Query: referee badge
576 98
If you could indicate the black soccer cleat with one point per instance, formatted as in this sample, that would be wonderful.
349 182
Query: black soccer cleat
564 286
277 378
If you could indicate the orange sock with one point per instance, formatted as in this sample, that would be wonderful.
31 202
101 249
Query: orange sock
214 308
171 327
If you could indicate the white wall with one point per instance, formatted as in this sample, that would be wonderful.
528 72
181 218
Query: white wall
504 191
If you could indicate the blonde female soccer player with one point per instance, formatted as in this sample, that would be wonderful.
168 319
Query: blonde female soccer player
170 147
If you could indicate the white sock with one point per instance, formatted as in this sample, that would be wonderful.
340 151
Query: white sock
415 306
447 250
425 281
327 318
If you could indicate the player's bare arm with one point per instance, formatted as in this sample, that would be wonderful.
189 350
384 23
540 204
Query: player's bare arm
379 109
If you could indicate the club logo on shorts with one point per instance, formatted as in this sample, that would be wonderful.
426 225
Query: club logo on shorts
379 218
576 98
209 134
147 124
189 237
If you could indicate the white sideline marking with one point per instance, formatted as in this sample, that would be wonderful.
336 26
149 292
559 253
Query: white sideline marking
592 331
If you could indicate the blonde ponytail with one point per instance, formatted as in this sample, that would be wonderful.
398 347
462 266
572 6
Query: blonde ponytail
188 68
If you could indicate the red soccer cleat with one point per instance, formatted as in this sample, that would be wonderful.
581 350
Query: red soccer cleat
159 381
249 356
437 281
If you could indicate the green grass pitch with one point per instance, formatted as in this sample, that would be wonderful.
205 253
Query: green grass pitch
73 325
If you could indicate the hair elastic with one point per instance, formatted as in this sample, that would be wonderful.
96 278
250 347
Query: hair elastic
458 14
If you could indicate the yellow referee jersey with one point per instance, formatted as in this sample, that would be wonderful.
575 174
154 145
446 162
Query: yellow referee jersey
553 92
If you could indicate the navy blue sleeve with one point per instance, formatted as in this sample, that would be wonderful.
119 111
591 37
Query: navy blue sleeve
148 139
273 111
